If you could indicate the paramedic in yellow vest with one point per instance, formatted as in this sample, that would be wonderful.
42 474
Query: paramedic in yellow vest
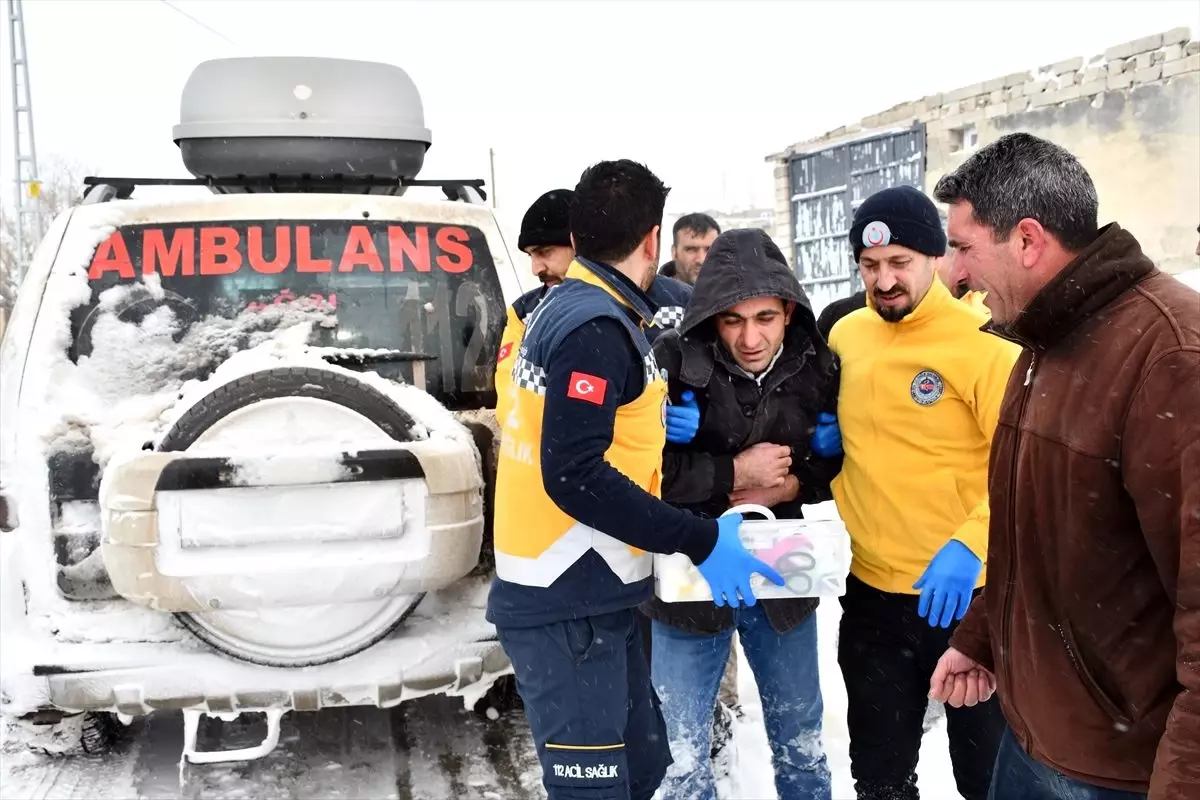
921 387
546 238
578 512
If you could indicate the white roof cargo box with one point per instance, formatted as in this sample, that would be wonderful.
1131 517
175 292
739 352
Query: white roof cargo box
286 119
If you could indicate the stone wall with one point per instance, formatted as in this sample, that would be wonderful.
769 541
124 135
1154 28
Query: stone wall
1131 115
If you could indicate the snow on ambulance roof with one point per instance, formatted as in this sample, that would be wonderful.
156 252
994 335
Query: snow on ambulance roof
269 205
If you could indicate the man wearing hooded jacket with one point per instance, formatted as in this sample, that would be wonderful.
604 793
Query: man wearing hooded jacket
748 360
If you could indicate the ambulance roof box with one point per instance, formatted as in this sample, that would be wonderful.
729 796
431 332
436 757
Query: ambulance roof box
282 122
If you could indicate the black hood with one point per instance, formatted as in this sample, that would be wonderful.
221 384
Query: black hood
741 264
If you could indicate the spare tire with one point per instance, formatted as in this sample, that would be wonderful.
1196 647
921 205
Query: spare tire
288 382
323 406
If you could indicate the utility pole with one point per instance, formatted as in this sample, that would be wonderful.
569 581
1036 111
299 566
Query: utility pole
29 217
492 171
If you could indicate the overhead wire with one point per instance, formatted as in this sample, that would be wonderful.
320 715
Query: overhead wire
201 23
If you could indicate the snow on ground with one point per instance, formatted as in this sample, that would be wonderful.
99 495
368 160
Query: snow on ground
435 748
752 776
428 749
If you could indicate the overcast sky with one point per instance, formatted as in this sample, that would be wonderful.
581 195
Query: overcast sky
700 91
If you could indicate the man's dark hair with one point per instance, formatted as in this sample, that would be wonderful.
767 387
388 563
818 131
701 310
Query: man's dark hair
616 204
698 224
1019 176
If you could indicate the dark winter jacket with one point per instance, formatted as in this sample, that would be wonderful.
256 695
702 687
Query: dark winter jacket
838 309
1091 615
670 298
668 270
736 412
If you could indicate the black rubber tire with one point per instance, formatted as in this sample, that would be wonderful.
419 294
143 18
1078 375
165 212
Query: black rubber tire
101 732
502 696
484 438
288 382
270 384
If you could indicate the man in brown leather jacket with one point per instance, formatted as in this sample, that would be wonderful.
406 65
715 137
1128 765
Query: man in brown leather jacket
1089 628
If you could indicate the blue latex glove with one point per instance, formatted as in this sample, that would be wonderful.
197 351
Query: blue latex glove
683 421
729 567
827 436
947 583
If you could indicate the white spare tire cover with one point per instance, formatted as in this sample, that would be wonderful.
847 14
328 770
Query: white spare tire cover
322 407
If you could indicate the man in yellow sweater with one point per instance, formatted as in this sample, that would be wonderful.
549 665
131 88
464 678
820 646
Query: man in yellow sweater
920 393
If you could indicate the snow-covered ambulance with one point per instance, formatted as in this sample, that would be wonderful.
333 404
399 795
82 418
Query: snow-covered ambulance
245 441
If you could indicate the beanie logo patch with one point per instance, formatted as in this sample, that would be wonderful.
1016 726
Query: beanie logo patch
927 388
876 234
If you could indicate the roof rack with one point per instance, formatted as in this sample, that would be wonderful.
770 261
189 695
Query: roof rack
103 190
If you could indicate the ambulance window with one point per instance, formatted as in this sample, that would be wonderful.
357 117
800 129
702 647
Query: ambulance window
427 290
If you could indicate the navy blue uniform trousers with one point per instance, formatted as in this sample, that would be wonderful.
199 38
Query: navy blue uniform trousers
591 707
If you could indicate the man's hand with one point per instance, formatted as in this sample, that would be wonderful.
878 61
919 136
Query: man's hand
961 681
729 567
683 420
770 498
947 584
827 436
763 466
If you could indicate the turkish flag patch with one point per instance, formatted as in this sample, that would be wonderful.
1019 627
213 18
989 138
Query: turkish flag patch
504 351
587 387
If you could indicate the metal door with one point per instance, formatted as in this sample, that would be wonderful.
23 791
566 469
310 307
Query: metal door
827 187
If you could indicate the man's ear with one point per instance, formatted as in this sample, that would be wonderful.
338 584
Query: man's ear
1032 240
650 245
574 249
789 308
